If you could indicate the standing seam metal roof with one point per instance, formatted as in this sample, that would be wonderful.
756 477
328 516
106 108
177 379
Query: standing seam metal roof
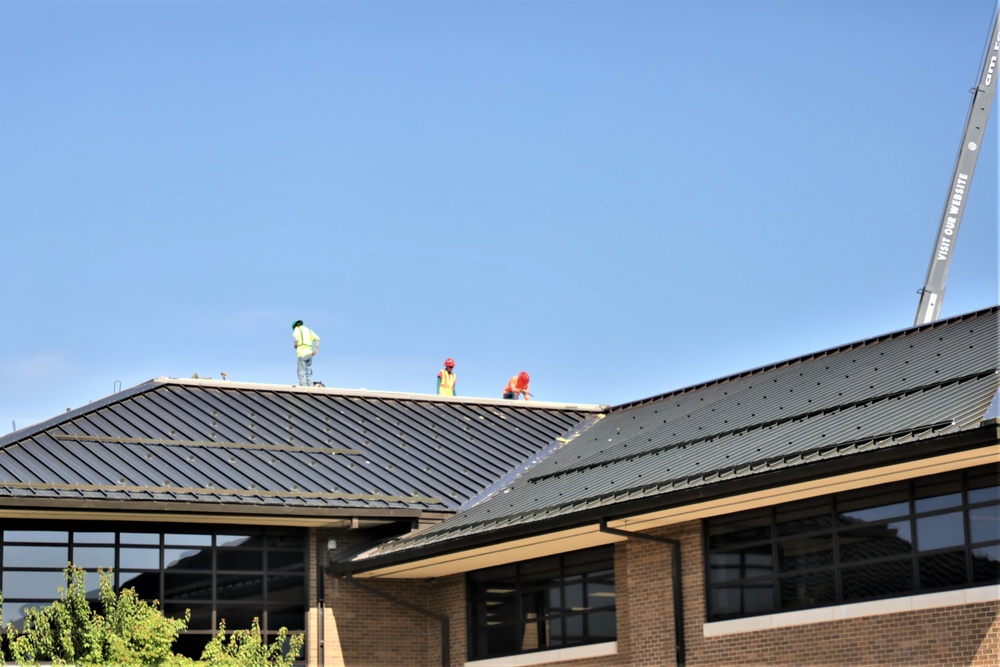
223 443
884 392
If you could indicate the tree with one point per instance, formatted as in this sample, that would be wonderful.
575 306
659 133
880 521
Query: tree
130 633
68 631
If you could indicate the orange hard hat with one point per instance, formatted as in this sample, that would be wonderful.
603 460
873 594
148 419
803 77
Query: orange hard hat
523 379
449 363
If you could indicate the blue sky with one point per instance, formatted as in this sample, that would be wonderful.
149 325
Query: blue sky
622 198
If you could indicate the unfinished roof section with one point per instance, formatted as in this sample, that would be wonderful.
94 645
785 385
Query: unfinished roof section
894 391
212 446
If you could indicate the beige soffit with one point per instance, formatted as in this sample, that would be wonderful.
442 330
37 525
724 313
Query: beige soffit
582 537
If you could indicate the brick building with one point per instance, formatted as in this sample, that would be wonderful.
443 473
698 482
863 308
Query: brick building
841 508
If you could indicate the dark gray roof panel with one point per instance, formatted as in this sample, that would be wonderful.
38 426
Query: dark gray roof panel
234 444
889 391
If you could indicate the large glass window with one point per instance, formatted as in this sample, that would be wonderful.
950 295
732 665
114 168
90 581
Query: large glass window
930 534
545 603
234 573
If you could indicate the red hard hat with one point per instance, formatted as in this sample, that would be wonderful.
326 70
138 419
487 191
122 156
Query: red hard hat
449 363
523 379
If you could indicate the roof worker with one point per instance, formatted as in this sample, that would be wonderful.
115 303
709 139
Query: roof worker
446 379
517 384
306 344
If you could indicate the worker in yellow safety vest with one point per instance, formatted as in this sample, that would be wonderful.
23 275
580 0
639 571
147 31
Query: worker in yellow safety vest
306 344
446 379
517 385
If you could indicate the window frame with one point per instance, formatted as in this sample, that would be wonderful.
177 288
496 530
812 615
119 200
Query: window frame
876 534
552 583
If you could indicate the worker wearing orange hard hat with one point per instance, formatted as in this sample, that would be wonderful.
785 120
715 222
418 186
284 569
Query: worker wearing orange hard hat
447 378
517 385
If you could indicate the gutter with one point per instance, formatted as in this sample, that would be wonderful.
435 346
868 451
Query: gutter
675 568
440 618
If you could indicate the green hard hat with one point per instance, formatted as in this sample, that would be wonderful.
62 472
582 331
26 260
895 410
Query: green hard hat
297 323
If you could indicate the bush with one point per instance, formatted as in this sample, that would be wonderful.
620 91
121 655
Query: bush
131 633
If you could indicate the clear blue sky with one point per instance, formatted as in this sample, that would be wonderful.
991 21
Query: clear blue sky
622 198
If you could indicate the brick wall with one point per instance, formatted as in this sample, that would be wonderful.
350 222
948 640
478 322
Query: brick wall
377 633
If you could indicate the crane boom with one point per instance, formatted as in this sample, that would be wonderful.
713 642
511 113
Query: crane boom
933 292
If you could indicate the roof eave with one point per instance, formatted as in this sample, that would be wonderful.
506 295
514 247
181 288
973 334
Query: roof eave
957 442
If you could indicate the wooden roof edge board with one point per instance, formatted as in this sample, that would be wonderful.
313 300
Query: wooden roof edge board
374 394
202 443
153 511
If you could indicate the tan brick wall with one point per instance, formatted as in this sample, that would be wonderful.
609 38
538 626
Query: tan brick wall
377 633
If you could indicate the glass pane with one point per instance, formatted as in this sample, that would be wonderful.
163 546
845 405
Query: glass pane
804 517
601 626
93 538
805 553
938 492
285 589
187 559
91 558
14 612
724 602
758 598
187 586
49 536
291 617
285 560
241 587
733 531
189 540
876 541
807 590
240 616
573 626
740 564
146 584
873 505
601 594
52 557
986 564
201 614
241 560
941 570
233 540
287 541
984 484
139 559
877 579
574 596
140 538
940 531
32 585
984 523
540 569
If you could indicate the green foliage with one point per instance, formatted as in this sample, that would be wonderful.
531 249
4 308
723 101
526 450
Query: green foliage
246 648
130 633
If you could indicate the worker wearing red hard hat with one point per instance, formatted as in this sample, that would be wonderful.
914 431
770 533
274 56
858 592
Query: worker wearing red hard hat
517 385
446 379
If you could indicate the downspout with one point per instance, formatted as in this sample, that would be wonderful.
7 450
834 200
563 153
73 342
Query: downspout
675 566
440 618
320 601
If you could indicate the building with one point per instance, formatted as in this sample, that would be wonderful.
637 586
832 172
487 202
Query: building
838 508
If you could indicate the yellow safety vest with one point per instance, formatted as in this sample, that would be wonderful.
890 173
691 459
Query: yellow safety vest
304 337
447 387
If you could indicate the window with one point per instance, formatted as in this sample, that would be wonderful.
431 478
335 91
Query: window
929 534
545 603
232 573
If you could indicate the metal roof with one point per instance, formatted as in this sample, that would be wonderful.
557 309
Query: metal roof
219 445
885 392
